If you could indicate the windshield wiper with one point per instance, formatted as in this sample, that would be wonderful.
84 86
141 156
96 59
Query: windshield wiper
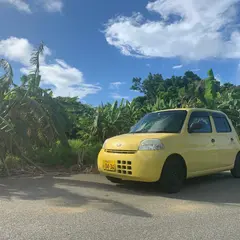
162 131
140 131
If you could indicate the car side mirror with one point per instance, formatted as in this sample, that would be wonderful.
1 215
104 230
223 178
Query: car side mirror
194 127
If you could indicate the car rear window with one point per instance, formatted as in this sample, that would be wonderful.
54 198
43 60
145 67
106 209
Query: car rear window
222 125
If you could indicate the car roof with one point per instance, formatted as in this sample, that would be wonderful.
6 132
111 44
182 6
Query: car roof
192 110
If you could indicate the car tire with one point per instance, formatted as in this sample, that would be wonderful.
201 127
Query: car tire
173 176
114 180
236 170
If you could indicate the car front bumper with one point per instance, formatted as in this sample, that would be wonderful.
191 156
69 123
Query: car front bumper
144 166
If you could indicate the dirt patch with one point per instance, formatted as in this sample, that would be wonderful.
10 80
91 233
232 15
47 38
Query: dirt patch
187 207
54 171
67 210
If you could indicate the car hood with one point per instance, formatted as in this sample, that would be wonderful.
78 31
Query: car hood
131 141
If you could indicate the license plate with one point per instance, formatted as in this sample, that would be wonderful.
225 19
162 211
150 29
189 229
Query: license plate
109 165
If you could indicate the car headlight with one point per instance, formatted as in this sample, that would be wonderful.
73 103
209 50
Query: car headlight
150 144
104 144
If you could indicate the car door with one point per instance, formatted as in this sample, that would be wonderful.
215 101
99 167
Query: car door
201 150
225 140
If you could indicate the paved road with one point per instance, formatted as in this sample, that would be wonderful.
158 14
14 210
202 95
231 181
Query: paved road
88 207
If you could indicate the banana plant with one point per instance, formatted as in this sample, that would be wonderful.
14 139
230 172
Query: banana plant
29 116
108 120
230 104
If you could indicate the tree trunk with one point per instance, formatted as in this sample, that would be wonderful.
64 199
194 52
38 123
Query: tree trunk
28 160
83 153
80 158
5 167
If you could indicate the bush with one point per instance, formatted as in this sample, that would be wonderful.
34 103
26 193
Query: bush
13 162
60 155
90 152
76 145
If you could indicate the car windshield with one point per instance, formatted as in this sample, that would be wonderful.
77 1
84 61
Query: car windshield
161 122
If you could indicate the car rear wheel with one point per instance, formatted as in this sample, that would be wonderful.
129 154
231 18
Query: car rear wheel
173 176
114 180
236 170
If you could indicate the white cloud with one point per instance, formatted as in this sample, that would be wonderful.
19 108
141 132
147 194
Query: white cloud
16 49
48 5
65 80
53 5
148 65
116 85
195 70
19 50
201 30
21 5
177 66
117 96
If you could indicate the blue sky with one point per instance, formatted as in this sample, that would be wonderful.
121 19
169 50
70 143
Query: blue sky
95 48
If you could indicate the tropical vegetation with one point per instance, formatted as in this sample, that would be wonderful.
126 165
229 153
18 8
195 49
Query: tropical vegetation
39 129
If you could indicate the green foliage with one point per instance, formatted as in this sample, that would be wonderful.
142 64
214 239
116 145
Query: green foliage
80 117
76 145
149 86
211 90
13 162
230 104
57 155
29 117
114 119
91 153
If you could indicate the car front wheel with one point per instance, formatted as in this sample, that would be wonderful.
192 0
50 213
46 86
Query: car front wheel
173 176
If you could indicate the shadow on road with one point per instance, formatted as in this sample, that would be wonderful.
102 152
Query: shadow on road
219 188
49 189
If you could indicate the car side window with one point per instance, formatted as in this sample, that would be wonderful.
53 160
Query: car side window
222 124
203 119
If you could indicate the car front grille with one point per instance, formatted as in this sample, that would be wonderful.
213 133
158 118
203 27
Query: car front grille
124 167
120 151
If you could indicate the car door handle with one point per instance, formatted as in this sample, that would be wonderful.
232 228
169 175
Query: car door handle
213 140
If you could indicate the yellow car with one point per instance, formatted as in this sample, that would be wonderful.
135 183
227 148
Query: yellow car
170 146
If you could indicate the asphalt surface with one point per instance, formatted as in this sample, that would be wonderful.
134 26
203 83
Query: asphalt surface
89 207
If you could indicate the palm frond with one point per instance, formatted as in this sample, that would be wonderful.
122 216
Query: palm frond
34 78
7 79
7 68
35 57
